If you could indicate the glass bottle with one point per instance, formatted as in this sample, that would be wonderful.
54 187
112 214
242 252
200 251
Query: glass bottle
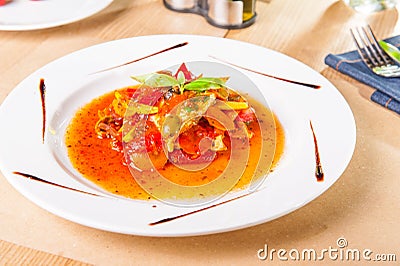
249 7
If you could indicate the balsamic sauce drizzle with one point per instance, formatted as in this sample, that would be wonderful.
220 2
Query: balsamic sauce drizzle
313 86
196 211
319 174
42 89
32 177
144 57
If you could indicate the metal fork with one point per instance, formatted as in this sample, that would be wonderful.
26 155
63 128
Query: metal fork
372 54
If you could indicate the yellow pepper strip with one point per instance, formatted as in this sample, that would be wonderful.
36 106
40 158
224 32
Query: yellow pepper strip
234 105
121 106
138 108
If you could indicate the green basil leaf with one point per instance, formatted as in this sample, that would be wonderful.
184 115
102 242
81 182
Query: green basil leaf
220 81
156 80
141 78
181 77
199 85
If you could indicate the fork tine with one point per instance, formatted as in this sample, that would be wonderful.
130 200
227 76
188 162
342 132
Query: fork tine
376 44
355 39
372 53
369 49
360 49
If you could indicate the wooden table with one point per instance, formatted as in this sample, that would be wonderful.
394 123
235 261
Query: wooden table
363 206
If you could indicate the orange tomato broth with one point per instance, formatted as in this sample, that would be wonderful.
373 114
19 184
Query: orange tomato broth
97 162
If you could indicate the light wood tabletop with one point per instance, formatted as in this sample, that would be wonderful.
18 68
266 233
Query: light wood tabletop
363 206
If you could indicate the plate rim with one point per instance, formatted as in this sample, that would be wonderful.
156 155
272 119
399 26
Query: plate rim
46 25
199 232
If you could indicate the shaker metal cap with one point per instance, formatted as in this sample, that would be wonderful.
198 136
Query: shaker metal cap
227 14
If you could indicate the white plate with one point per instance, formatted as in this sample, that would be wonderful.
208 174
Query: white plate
21 15
69 86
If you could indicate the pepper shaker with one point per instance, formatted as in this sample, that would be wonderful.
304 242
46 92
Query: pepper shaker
231 14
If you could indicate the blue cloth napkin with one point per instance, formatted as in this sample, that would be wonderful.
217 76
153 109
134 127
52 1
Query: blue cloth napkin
387 91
